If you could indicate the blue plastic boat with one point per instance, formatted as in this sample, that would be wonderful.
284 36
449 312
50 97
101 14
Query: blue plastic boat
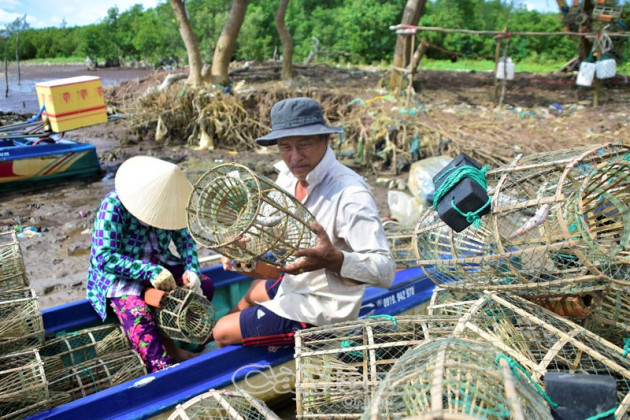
160 392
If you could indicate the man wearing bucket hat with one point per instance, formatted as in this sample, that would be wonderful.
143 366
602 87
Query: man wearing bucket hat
133 229
326 285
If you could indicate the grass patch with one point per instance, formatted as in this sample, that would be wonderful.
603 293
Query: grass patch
56 60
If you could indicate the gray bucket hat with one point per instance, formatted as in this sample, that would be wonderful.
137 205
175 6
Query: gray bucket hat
296 117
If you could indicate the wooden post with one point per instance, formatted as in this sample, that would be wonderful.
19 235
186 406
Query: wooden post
504 80
497 55
412 66
6 78
597 84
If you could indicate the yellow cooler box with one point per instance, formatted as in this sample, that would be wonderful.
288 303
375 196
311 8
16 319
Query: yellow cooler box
72 103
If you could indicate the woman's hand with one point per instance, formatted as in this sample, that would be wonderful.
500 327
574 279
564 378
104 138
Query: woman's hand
192 281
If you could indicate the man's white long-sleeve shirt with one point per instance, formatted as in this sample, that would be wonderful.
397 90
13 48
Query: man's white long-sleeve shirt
342 203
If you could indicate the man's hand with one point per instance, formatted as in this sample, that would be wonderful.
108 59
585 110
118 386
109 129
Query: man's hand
323 255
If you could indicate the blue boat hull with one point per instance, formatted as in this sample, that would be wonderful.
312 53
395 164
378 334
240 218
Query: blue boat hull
158 392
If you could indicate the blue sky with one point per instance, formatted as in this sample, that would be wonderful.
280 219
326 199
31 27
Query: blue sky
47 13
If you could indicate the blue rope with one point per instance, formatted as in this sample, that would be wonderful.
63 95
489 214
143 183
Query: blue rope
386 316
453 177
515 366
626 347
39 114
603 415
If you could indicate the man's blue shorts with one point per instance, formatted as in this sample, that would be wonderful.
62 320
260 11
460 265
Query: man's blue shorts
261 327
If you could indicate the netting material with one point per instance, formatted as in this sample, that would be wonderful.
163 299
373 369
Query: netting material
401 242
560 223
245 216
23 386
186 316
94 375
223 404
456 376
12 270
338 367
542 341
21 324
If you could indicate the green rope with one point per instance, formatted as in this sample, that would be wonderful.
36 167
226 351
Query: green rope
453 177
387 317
346 344
514 365
626 347
603 415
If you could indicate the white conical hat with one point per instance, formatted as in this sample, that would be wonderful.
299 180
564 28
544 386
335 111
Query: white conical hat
154 191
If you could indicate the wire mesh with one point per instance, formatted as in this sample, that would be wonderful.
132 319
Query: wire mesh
186 316
223 404
446 302
542 341
80 346
456 376
338 367
401 242
21 324
610 318
245 216
559 224
23 386
12 270
94 375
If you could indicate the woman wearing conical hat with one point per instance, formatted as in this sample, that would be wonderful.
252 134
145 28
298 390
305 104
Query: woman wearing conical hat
133 230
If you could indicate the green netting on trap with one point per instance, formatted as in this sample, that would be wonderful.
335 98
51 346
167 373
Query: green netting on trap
21 324
223 404
74 382
542 341
246 216
23 387
70 349
12 270
456 376
339 366
186 316
401 241
559 224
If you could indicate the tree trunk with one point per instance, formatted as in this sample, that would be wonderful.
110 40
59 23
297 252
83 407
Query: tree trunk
190 41
17 55
227 42
285 38
414 9
6 77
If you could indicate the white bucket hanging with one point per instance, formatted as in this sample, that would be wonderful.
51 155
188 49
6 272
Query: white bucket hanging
586 73
606 68
505 69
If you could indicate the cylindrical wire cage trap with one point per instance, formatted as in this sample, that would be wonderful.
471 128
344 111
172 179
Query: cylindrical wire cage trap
245 216
223 404
21 323
12 270
559 224
542 341
94 375
454 376
401 241
23 386
73 348
339 366
186 316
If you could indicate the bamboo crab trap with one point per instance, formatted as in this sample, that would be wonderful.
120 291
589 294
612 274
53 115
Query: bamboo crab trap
446 302
401 242
338 367
559 224
245 216
223 404
454 376
23 386
610 319
186 316
21 324
78 347
12 270
94 375
541 341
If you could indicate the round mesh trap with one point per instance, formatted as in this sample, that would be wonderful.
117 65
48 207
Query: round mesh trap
94 375
223 404
610 318
339 366
12 270
401 242
21 324
186 316
542 341
23 386
245 216
456 376
559 224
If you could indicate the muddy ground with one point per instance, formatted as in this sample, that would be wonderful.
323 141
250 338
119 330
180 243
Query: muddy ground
541 112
